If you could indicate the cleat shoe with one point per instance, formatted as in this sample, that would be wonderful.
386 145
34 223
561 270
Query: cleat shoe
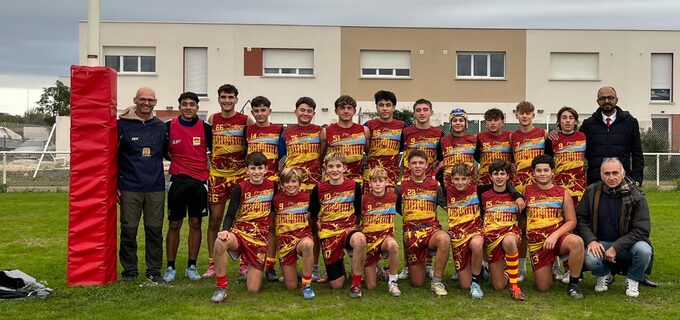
438 289
476 291
574 291
556 271
632 289
516 292
155 279
219 296
211 270
271 275
315 274
355 292
130 277
485 273
601 284
429 270
308 293
454 276
565 277
170 274
393 289
403 274
382 274
192 273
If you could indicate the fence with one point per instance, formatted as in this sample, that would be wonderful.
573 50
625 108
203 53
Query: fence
26 170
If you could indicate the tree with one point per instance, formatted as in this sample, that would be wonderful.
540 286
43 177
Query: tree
653 141
405 115
55 101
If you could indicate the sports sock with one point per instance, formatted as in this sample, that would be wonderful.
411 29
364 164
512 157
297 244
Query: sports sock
511 261
428 261
475 278
212 261
356 280
306 280
171 264
436 280
573 280
269 264
192 262
393 278
221 282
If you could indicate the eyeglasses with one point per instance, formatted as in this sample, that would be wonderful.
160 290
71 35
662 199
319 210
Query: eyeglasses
610 98
146 100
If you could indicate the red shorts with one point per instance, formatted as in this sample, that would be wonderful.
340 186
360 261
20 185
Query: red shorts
287 246
373 248
416 244
492 241
219 188
541 257
251 254
461 253
333 248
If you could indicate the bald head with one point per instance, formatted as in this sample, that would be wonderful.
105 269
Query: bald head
144 100
145 91
609 90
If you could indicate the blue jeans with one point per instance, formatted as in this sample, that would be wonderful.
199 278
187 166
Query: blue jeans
639 256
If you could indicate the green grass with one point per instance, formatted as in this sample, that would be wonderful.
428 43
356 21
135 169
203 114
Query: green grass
33 238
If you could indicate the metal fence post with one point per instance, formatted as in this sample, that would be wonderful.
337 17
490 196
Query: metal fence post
658 169
4 168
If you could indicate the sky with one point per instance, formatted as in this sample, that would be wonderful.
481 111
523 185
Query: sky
40 37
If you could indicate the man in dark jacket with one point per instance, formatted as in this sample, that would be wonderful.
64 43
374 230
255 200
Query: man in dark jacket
612 132
613 220
142 141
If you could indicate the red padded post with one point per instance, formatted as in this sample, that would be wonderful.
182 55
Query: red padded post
92 223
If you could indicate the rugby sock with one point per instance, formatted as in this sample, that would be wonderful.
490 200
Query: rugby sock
269 264
306 280
356 280
212 261
221 282
511 261
436 280
475 278
393 278
171 264
192 262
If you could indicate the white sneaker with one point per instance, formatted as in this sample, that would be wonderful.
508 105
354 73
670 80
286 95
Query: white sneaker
601 284
393 289
565 277
403 274
429 270
632 288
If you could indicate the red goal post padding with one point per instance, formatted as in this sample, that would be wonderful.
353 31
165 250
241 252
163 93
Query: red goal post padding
92 188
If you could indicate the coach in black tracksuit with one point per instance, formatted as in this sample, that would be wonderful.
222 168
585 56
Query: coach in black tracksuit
612 132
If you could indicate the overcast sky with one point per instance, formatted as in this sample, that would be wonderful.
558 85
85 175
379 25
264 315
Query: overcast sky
39 38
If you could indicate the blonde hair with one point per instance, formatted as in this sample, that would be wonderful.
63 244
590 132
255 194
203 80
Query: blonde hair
460 169
334 156
377 173
290 173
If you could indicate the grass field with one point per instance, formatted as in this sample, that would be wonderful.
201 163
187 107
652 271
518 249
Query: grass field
33 233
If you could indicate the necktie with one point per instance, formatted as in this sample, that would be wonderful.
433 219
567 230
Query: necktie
609 122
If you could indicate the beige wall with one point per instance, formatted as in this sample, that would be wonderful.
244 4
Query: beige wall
225 45
624 62
433 73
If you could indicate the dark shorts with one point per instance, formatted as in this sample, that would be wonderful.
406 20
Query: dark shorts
187 196
333 249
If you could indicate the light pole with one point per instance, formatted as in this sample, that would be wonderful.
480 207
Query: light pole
93 33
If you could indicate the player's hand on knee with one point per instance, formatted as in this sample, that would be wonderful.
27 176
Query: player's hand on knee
223 235
549 243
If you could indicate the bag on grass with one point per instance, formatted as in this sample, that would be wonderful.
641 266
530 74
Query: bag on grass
14 284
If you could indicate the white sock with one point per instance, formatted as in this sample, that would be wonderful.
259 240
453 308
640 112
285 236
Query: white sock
393 278
523 264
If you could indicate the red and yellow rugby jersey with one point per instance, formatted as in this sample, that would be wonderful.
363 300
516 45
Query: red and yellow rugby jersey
490 148
544 213
385 145
499 212
463 211
337 212
525 147
229 146
458 150
427 140
377 216
303 150
351 142
253 217
292 213
569 152
419 203
266 140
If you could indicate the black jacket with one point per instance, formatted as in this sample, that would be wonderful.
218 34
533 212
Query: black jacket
621 140
634 224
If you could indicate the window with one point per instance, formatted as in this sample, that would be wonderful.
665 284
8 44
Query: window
662 77
574 66
480 65
131 59
288 62
196 71
385 64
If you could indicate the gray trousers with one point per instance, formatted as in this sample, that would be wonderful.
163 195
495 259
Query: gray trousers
132 205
